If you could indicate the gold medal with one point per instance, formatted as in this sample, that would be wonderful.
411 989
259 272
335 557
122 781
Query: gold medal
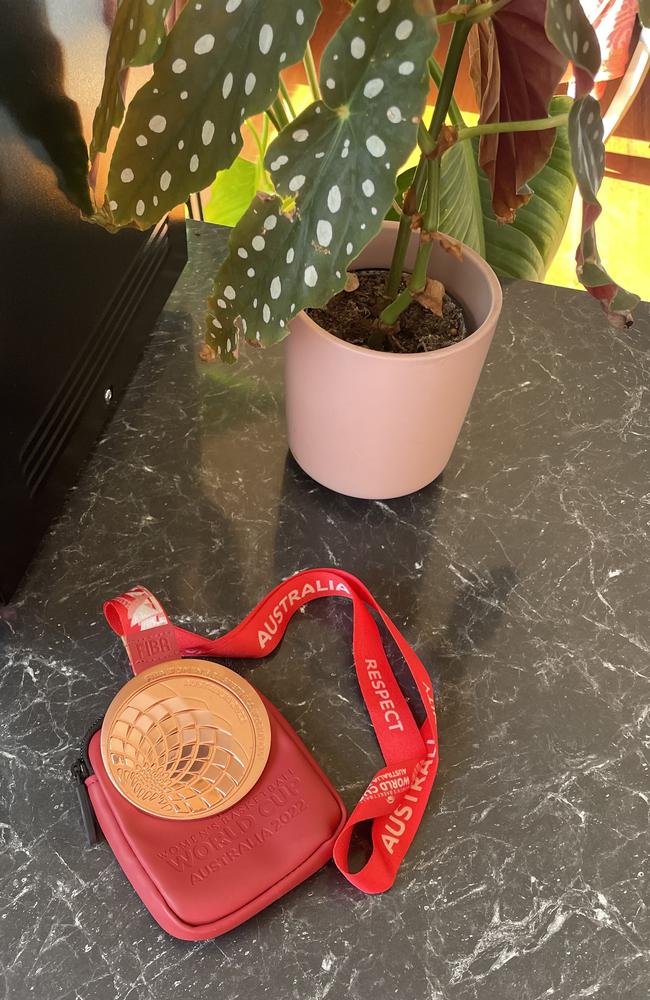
186 739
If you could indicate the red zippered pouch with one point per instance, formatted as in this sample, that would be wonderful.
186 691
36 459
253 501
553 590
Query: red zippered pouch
201 877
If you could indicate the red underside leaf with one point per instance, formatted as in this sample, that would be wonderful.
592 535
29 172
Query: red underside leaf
514 50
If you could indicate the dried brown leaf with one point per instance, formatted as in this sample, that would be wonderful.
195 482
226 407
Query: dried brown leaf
207 354
431 296
515 70
448 137
351 281
454 247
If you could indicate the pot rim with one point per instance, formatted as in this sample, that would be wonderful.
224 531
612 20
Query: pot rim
441 352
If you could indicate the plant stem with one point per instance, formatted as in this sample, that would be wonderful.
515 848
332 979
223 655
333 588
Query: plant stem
453 111
445 94
432 211
273 119
261 142
261 172
425 142
256 136
278 110
435 71
399 255
478 13
393 311
448 79
494 128
418 279
287 99
310 70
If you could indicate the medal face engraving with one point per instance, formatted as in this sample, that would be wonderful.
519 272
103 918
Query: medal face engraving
186 739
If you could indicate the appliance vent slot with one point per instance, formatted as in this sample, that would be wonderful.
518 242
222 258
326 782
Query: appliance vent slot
49 437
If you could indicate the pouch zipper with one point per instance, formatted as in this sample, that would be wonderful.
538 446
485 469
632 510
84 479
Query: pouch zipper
80 770
85 743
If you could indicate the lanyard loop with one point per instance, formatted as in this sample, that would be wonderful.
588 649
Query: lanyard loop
396 798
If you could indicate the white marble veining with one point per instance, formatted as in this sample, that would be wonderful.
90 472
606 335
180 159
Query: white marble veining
521 577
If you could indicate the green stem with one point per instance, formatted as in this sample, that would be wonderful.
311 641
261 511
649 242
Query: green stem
419 274
399 254
280 113
494 128
453 111
273 119
432 211
435 71
425 142
478 13
445 95
262 173
448 79
287 99
256 136
261 142
454 116
392 312
310 70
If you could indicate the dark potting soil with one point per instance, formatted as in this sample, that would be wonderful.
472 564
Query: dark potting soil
351 315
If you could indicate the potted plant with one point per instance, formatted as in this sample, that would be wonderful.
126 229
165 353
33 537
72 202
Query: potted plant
390 322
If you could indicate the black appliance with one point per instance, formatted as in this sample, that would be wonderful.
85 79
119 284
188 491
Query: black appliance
76 303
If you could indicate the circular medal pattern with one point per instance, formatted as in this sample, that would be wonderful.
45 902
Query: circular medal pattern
186 739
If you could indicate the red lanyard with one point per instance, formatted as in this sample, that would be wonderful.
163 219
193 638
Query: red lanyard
396 797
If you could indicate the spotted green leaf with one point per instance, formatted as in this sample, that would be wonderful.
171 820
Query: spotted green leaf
221 64
334 170
588 157
587 147
568 27
137 37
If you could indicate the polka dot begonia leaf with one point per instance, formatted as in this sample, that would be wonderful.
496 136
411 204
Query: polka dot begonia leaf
221 64
137 38
588 159
334 172
587 147
568 28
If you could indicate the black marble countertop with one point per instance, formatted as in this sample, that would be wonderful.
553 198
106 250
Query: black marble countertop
520 576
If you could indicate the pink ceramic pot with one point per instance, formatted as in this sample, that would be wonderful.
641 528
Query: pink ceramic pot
377 425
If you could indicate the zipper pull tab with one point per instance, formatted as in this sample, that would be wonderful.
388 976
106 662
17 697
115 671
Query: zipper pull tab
79 773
